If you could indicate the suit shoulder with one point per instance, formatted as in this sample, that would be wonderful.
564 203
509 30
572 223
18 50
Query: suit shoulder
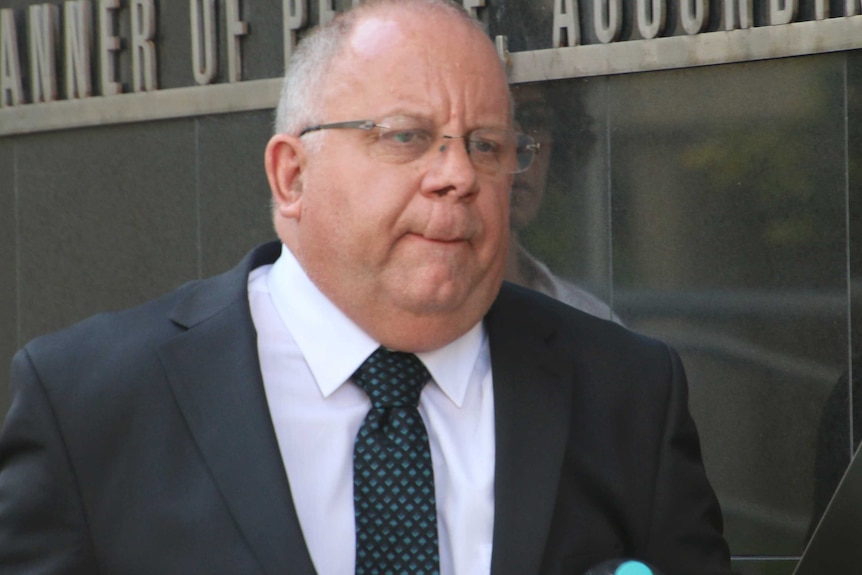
109 333
517 305
146 325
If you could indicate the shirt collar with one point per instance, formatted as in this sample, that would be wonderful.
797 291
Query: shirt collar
334 346
452 365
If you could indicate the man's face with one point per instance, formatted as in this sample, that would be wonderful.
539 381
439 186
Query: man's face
422 243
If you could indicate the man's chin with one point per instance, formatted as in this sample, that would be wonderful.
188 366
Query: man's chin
442 300
429 321
455 297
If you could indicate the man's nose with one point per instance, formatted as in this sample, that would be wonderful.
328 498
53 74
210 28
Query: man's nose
452 173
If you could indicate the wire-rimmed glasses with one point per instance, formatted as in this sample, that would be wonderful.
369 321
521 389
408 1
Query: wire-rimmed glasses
403 139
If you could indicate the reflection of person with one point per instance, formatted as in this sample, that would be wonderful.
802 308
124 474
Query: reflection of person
537 117
212 430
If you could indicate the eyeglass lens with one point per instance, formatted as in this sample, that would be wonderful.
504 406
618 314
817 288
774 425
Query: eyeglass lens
403 139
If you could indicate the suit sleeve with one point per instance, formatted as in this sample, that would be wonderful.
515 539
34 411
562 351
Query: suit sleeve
42 524
686 521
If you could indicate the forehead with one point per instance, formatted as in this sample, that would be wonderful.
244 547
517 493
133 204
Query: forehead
421 62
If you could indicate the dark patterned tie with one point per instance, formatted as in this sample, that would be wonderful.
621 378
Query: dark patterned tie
393 481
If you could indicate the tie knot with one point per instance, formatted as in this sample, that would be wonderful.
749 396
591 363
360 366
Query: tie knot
392 378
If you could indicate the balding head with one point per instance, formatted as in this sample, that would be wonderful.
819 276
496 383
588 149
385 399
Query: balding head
312 62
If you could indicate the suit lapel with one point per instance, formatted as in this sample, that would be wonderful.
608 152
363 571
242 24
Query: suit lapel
532 397
214 372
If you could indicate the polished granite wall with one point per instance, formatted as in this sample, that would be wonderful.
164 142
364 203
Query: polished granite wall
108 217
717 208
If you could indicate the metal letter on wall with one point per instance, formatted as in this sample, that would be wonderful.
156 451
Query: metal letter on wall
204 62
11 90
472 6
745 12
670 49
108 44
779 15
327 12
567 24
651 22
77 24
236 28
694 15
143 47
293 14
44 28
608 20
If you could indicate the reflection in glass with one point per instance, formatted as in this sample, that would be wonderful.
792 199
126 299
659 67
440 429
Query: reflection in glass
710 207
729 237
552 114
841 419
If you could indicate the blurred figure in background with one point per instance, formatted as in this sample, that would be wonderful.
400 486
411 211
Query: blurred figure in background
557 120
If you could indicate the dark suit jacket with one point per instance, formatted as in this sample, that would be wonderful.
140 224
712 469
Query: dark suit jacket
140 442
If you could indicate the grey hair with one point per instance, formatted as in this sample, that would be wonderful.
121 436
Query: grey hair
308 69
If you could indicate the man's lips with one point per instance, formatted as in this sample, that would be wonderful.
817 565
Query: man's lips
437 239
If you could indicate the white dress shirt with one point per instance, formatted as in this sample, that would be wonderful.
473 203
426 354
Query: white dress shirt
308 349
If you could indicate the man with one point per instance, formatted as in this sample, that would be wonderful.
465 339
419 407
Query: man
223 428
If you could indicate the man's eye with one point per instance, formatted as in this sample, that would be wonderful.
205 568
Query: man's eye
483 146
406 137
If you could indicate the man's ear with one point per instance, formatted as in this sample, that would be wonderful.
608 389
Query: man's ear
285 161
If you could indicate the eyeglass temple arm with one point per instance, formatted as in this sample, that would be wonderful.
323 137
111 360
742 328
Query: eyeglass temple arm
355 124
